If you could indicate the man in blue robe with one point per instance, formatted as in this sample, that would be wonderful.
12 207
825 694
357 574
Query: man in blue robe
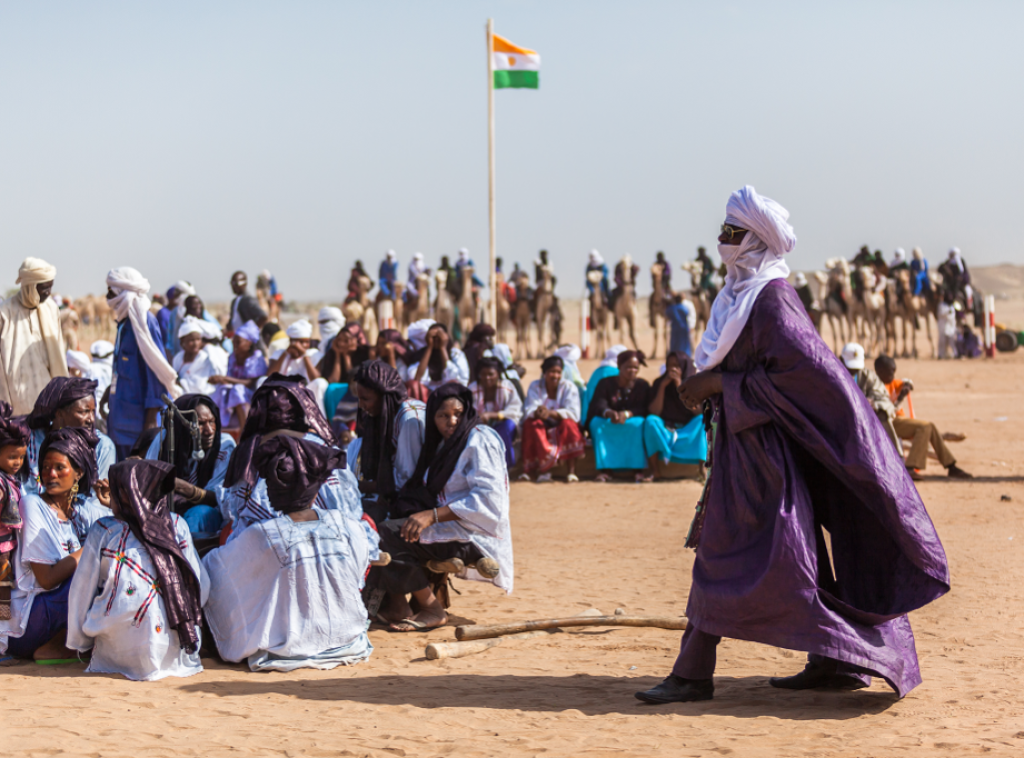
388 275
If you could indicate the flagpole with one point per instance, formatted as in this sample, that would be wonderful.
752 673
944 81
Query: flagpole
492 278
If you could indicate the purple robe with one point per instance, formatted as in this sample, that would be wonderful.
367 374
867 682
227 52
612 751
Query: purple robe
799 448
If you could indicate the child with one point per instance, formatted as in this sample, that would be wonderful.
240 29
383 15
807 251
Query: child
13 446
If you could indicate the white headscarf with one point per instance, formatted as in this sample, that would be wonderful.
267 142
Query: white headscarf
463 255
954 255
102 352
899 257
131 302
570 354
596 259
390 255
300 330
209 330
751 265
611 355
190 325
331 321
80 361
33 271
418 332
416 267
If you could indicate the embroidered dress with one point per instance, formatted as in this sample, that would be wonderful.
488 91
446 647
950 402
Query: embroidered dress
116 610
286 594
229 396
506 401
548 442
194 377
477 493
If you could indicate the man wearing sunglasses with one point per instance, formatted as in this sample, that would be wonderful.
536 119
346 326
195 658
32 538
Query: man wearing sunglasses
795 451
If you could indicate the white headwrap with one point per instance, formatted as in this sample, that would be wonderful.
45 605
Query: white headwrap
596 259
331 321
131 289
918 254
416 267
390 255
209 330
300 330
418 332
190 325
77 360
800 280
570 354
954 255
611 355
898 257
751 265
33 271
503 353
463 255
102 352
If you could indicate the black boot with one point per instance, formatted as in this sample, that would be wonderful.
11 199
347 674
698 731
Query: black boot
675 689
818 675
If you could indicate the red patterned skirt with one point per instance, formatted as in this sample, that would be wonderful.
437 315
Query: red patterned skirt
544 446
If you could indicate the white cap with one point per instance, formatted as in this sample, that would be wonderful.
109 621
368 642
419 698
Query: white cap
801 279
853 356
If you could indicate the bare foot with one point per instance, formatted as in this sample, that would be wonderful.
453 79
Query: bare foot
421 622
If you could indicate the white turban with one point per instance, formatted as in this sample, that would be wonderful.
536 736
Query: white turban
417 256
899 256
300 330
331 321
463 255
130 301
33 271
418 332
190 325
184 288
209 330
77 360
102 350
330 313
801 279
611 355
595 258
751 265
390 255
918 254
570 354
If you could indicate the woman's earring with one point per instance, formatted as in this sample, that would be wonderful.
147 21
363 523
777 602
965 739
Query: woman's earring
74 490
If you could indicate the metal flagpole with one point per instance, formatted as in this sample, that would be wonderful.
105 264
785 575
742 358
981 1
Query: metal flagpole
492 278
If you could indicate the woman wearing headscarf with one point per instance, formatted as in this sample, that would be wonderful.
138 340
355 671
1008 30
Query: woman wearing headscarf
434 361
65 402
480 339
340 359
391 430
192 362
608 366
136 598
551 430
672 432
497 404
796 451
392 349
510 370
198 478
32 349
282 406
142 374
285 594
615 419
56 522
245 365
454 515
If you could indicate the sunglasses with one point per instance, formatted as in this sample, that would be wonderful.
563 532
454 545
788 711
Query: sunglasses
732 231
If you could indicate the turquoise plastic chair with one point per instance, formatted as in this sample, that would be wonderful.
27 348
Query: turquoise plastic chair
333 396
599 373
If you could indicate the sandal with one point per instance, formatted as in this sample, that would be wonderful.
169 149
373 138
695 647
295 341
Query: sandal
572 478
487 568
450 566
417 626
602 478
644 478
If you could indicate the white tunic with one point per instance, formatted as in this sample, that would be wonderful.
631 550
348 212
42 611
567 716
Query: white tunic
506 400
456 370
44 539
477 493
286 594
194 377
292 367
409 430
115 610
31 352
566 402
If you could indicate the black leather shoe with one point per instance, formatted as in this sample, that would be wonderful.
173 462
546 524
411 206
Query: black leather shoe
818 677
675 689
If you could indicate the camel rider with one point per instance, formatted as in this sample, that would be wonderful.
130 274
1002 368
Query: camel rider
621 279
956 277
417 266
898 264
353 282
919 270
463 261
596 263
539 266
452 282
707 273
666 272
507 288
388 274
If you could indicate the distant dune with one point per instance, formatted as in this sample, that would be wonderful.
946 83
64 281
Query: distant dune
1004 280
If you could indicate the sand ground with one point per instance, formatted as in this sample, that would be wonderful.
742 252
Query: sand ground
608 546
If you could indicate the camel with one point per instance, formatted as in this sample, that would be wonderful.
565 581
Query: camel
467 305
502 309
598 315
625 305
835 300
366 315
659 300
396 302
418 306
867 316
521 316
918 308
699 299
444 308
543 298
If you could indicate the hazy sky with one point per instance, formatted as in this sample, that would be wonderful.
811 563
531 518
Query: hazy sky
189 139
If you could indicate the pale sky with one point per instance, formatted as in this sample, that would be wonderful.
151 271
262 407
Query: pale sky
189 139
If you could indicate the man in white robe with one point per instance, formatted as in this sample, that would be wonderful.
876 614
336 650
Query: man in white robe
32 350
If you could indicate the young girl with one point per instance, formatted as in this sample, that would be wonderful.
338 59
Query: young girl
13 446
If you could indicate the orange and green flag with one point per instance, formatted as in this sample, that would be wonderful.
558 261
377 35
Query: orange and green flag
514 66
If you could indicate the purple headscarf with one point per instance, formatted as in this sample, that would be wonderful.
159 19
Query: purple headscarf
13 431
378 433
79 445
60 392
294 470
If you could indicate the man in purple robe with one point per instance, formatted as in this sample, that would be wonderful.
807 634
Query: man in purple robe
797 450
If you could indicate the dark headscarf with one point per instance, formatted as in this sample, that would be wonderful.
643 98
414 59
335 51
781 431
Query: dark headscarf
552 361
283 402
13 431
673 410
435 369
395 338
354 329
360 355
140 489
294 470
61 391
79 445
476 345
418 494
625 355
183 460
488 362
378 434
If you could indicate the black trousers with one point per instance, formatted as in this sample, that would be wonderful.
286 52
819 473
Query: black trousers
406 572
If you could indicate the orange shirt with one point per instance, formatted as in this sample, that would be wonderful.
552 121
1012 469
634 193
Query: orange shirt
894 388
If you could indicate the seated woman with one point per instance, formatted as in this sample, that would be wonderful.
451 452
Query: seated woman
454 515
510 370
391 429
480 340
193 363
245 365
497 404
607 367
281 407
672 432
341 358
136 598
198 481
56 522
299 358
270 603
551 431
434 361
616 419
393 349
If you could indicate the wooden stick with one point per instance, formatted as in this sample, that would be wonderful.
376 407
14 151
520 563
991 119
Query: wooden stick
439 650
480 632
